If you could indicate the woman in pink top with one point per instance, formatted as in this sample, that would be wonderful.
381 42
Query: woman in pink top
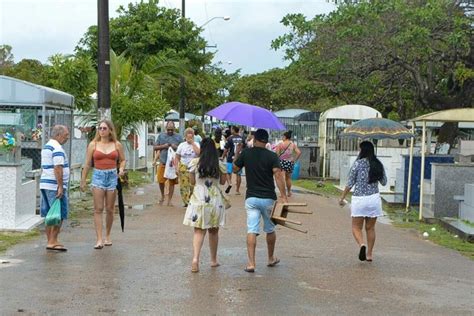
288 153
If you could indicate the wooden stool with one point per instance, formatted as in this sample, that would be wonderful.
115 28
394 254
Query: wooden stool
281 210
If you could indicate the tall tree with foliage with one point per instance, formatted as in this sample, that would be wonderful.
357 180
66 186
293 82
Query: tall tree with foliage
404 56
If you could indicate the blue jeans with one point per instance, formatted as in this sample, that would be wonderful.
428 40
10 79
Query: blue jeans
47 199
256 208
104 179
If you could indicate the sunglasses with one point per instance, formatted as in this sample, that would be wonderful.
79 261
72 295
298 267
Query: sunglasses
103 128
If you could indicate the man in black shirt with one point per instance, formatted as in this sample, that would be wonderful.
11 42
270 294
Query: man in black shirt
232 145
261 166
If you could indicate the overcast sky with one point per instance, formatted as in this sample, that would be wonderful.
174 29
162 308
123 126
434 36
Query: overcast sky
37 29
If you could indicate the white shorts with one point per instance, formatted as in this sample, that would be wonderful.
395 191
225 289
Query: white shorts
366 206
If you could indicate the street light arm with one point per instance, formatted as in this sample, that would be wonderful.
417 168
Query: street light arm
225 18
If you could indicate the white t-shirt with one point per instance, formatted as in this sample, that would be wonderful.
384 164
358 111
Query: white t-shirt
52 155
186 152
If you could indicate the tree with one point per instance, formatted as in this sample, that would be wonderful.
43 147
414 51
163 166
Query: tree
407 57
74 75
144 29
31 70
6 58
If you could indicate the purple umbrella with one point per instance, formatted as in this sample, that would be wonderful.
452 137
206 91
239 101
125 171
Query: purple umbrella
248 115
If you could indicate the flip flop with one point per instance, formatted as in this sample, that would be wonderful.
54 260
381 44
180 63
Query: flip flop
249 270
108 243
274 263
228 189
362 254
368 260
57 248
98 246
215 265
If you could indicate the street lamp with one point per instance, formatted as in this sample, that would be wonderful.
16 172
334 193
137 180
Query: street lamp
225 18
181 103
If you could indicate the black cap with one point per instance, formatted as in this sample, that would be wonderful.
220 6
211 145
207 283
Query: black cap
261 135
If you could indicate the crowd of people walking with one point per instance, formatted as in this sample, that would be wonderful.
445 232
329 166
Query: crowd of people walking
203 167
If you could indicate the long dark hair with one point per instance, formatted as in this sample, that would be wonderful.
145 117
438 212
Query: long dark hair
288 134
208 165
376 170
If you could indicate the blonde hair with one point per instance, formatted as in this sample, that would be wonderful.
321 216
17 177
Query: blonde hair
112 134
188 130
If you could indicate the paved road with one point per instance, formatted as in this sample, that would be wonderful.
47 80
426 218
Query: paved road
147 270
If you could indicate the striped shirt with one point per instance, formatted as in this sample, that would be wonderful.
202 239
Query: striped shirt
52 155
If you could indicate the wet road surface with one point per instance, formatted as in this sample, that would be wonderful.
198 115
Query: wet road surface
147 270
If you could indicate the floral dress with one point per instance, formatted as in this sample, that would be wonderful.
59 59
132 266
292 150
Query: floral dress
207 205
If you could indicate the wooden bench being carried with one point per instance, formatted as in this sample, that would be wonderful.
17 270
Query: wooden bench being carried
281 210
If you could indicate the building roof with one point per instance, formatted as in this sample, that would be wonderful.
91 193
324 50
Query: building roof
18 92
290 113
350 112
452 115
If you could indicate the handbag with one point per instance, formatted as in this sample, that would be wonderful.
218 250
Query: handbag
53 218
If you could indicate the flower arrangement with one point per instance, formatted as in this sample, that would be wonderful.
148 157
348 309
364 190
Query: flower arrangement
37 132
7 142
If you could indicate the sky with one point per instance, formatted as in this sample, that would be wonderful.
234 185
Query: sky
37 29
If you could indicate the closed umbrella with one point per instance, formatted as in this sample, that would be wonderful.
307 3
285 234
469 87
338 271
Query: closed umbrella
248 115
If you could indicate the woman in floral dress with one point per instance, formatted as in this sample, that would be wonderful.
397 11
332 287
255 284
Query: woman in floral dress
206 209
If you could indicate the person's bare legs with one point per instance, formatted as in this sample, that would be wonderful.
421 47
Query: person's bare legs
198 240
251 245
170 192
52 233
271 241
162 191
357 225
99 197
213 242
109 217
288 183
370 231
238 182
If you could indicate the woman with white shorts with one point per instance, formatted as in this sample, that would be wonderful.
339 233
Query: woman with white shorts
366 204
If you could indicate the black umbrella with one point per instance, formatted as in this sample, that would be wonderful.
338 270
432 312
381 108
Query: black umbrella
120 203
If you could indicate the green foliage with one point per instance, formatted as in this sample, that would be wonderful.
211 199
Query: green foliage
398 56
74 75
6 57
135 95
29 70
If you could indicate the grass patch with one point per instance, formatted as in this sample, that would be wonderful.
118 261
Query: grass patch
8 239
437 234
465 221
323 187
138 178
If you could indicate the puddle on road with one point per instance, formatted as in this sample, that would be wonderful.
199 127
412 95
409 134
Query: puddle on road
305 285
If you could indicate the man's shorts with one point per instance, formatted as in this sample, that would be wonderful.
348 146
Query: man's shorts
256 208
230 166
47 199
160 175
105 179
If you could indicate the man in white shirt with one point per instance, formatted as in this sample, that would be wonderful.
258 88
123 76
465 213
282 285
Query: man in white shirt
54 181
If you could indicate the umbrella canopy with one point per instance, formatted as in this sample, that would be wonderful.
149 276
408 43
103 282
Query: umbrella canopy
248 115
377 128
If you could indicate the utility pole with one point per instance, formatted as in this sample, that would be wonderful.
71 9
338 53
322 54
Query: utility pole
103 60
181 79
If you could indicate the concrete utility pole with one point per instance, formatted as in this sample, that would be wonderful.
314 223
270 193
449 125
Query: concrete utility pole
103 60
181 81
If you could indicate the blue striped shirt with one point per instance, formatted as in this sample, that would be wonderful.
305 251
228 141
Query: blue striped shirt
53 155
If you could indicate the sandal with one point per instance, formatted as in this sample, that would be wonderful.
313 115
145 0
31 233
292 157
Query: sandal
274 263
99 246
57 248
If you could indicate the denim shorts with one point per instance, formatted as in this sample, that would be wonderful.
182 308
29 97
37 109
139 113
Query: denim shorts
104 179
256 208
47 199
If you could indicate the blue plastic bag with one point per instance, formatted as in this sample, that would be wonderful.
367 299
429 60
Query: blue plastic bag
53 218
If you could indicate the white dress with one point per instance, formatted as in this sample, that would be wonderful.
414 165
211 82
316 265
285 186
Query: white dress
207 205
